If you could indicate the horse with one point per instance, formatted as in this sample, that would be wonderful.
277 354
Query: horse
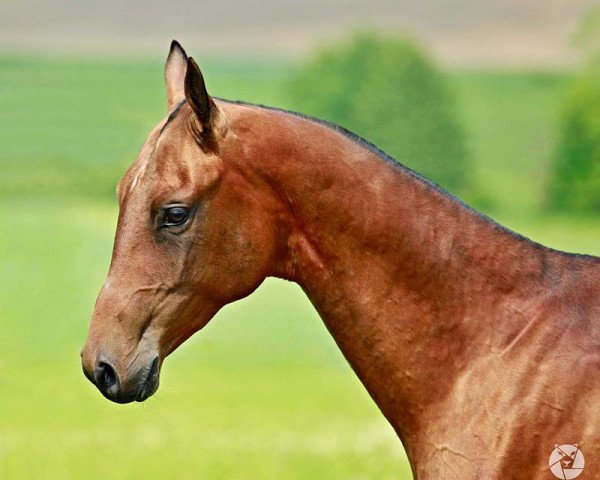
479 346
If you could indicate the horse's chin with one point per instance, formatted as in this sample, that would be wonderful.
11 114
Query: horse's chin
146 392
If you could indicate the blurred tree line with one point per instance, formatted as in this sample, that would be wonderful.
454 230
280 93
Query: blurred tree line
575 181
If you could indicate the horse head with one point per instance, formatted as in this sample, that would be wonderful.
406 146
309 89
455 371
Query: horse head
192 236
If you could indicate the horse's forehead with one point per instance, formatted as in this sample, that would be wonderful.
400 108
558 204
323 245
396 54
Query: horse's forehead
130 180
169 160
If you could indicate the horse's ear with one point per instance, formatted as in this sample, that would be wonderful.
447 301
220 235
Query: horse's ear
175 69
197 96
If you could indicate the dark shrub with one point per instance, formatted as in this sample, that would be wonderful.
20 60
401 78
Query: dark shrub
387 91
575 181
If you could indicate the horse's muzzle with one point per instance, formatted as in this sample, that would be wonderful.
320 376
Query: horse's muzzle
138 388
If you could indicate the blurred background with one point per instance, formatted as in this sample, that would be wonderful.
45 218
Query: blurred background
499 102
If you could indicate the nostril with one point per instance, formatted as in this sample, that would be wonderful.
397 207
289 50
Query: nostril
106 379
109 377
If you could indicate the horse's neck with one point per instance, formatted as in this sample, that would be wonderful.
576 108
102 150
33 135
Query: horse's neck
405 277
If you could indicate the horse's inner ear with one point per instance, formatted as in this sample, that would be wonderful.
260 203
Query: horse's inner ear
197 96
175 69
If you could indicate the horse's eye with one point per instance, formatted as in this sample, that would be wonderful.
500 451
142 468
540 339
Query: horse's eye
175 216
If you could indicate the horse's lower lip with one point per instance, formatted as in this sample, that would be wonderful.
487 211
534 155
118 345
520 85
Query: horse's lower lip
151 383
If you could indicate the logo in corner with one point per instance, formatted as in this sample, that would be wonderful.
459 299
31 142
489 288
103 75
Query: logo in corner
566 461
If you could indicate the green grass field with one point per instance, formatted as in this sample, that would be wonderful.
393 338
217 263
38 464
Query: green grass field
262 392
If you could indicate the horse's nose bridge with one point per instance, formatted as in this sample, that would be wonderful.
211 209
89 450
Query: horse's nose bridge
108 304
106 319
119 297
121 312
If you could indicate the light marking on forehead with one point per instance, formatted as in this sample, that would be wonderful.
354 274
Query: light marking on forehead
135 179
160 128
140 173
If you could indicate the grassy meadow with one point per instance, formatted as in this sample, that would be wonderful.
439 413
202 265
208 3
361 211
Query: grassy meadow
262 392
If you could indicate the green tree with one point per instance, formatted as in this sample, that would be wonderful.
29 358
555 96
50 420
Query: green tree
575 180
389 92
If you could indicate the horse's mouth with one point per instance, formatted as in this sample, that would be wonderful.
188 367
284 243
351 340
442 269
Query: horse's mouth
151 382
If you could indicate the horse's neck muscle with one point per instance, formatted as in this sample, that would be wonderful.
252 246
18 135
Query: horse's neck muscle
405 277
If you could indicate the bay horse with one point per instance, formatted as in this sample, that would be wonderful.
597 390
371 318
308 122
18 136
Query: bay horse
480 347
